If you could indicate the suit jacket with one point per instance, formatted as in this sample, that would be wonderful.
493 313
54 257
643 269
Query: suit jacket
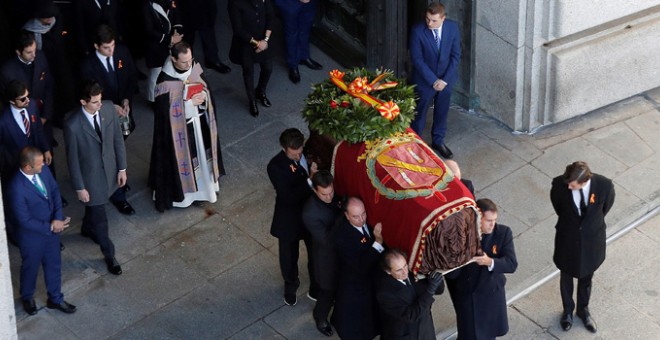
428 63
475 290
32 212
125 72
356 311
249 19
13 140
580 241
39 82
405 310
158 33
89 15
319 219
291 190
94 164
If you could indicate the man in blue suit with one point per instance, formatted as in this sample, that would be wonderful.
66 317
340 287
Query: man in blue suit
20 126
435 50
297 17
37 212
477 289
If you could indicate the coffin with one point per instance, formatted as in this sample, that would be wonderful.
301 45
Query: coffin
424 209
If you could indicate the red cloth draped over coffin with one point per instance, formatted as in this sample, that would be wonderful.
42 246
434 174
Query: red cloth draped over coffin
424 209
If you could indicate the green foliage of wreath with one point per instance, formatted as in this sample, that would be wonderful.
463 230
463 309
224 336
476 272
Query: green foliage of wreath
350 118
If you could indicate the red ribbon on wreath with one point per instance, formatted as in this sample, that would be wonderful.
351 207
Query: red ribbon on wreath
360 88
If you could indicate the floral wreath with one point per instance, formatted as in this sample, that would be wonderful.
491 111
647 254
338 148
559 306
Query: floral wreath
348 106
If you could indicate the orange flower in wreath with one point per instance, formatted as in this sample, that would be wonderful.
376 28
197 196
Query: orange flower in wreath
337 74
389 110
359 85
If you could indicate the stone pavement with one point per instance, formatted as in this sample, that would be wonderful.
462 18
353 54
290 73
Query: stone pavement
211 271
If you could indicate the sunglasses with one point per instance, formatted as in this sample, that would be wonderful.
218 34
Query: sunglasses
22 99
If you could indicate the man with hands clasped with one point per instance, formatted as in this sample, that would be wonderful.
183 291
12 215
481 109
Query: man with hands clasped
36 207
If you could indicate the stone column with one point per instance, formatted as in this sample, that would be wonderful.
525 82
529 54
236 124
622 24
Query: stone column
7 315
539 62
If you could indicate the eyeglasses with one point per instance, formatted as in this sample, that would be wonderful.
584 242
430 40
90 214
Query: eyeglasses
22 99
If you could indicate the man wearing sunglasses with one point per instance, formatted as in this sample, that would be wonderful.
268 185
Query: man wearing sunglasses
20 126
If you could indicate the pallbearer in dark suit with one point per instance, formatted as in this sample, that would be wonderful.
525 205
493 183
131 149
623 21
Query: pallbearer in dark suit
477 290
319 216
37 212
358 249
435 50
405 304
581 200
97 164
89 15
289 173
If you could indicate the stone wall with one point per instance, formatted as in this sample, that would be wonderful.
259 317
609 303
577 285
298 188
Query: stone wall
7 315
539 62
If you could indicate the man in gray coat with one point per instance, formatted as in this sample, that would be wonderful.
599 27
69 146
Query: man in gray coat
97 164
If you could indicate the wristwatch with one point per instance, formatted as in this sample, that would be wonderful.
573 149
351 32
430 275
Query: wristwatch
267 38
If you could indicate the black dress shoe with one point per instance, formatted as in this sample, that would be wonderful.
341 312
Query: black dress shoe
290 299
63 307
65 203
220 67
124 208
62 247
263 99
588 321
311 64
324 327
294 75
113 266
443 150
30 307
254 110
566 321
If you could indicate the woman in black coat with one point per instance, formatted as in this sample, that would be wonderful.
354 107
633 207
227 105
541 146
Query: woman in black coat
252 22
162 29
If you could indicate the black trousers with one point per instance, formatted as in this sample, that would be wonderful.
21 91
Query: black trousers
324 301
95 223
289 254
583 292
264 77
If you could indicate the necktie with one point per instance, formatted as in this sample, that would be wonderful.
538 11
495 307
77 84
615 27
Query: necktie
96 126
583 205
436 36
302 168
26 123
407 281
37 183
112 76
365 232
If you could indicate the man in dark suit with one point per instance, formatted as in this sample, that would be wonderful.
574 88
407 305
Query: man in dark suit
405 304
297 17
435 51
31 68
319 215
289 173
97 164
252 22
581 200
20 126
37 212
358 250
89 15
199 16
477 289
112 67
